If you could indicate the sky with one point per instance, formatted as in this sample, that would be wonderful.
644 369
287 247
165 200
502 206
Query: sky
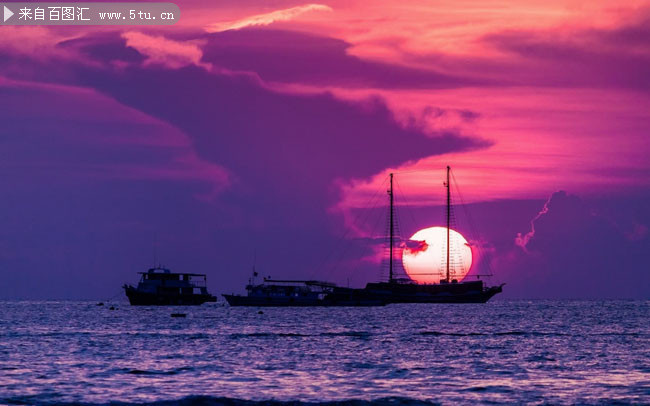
261 134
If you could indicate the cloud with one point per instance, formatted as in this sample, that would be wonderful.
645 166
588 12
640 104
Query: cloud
75 134
615 57
563 214
564 55
38 42
522 239
575 250
415 247
166 52
268 18
295 57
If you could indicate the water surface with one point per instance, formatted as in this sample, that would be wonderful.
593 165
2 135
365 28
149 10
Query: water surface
553 352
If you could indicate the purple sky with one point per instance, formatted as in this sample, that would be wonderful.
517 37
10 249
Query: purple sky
221 145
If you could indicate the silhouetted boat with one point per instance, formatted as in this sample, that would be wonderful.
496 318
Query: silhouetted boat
300 293
160 287
396 290
405 290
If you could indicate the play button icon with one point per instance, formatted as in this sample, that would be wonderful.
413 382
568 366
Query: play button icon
7 14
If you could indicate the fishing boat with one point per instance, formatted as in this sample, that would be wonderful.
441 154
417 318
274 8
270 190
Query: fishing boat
403 289
300 293
161 287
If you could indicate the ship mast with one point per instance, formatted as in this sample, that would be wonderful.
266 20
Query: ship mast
392 228
448 218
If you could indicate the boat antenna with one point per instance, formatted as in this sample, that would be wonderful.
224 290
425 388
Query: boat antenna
392 230
448 217
155 249
254 266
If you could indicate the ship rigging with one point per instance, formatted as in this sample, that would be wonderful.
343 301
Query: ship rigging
448 289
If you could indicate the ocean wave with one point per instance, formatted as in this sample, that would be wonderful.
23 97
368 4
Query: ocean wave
265 335
498 333
355 334
150 372
223 401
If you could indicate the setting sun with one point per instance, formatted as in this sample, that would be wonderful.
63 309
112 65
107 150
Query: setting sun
425 255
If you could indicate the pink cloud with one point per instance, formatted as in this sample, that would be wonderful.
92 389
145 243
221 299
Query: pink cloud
522 239
267 18
39 43
395 31
166 52
580 140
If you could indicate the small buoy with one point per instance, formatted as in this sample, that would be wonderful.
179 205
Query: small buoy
100 304
111 308
179 314
260 312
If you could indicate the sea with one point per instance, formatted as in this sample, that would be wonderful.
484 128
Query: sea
503 352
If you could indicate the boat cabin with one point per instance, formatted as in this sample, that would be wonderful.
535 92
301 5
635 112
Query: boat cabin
290 288
163 281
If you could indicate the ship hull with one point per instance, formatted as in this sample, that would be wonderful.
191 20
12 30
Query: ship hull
469 292
137 298
378 294
238 300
